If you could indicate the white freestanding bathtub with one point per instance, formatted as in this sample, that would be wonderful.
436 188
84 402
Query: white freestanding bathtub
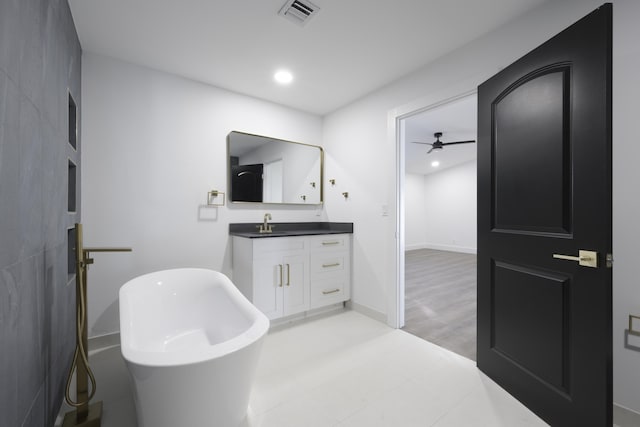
191 342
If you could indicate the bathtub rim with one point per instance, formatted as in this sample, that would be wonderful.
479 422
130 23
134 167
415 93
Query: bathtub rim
258 329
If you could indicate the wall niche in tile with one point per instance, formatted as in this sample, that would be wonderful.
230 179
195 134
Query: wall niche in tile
71 252
71 193
73 123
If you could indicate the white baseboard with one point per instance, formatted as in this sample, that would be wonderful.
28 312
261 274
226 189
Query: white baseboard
414 247
624 417
450 248
314 314
367 311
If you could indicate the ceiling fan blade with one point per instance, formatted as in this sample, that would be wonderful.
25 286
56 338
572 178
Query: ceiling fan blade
458 142
420 142
430 150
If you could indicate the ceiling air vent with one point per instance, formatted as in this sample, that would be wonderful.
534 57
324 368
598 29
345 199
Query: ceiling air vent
299 11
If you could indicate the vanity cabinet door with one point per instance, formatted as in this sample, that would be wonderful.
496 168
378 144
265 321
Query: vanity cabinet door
281 276
268 288
296 284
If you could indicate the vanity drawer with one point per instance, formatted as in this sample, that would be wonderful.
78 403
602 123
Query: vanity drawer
267 245
328 292
331 242
329 262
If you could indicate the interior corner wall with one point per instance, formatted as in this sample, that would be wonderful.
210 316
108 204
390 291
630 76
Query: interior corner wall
451 209
39 65
440 209
154 145
362 157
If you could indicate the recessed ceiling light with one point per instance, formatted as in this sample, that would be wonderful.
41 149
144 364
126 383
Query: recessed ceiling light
435 164
283 77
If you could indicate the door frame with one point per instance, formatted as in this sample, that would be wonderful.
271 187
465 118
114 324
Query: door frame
395 127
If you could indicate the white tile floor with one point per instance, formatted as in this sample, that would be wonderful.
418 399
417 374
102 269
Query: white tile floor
347 370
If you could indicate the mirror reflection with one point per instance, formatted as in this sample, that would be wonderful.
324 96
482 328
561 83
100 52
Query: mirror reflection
271 170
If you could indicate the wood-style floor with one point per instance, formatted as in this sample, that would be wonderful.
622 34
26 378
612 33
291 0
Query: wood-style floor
440 299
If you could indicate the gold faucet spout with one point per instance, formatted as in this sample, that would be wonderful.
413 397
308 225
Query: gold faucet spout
266 227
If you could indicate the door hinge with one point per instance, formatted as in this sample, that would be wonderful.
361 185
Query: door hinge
609 260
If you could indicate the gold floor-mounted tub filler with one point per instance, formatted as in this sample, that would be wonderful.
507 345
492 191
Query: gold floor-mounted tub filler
85 415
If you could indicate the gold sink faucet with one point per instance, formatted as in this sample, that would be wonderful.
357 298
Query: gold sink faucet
266 227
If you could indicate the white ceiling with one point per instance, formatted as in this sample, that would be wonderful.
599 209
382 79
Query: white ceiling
350 48
457 121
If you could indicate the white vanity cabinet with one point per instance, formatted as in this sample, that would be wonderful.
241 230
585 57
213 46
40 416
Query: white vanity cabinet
288 275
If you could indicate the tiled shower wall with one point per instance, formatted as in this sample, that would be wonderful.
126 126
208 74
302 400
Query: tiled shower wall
39 66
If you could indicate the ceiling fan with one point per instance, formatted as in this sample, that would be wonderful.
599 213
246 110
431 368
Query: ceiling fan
439 145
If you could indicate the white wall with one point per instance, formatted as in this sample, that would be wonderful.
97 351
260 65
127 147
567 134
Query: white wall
360 138
448 218
440 209
153 145
415 212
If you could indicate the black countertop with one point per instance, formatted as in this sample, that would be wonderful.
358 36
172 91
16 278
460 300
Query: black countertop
288 229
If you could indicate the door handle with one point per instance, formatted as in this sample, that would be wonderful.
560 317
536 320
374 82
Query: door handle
280 267
584 258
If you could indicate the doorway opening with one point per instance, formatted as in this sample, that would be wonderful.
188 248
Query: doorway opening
439 222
